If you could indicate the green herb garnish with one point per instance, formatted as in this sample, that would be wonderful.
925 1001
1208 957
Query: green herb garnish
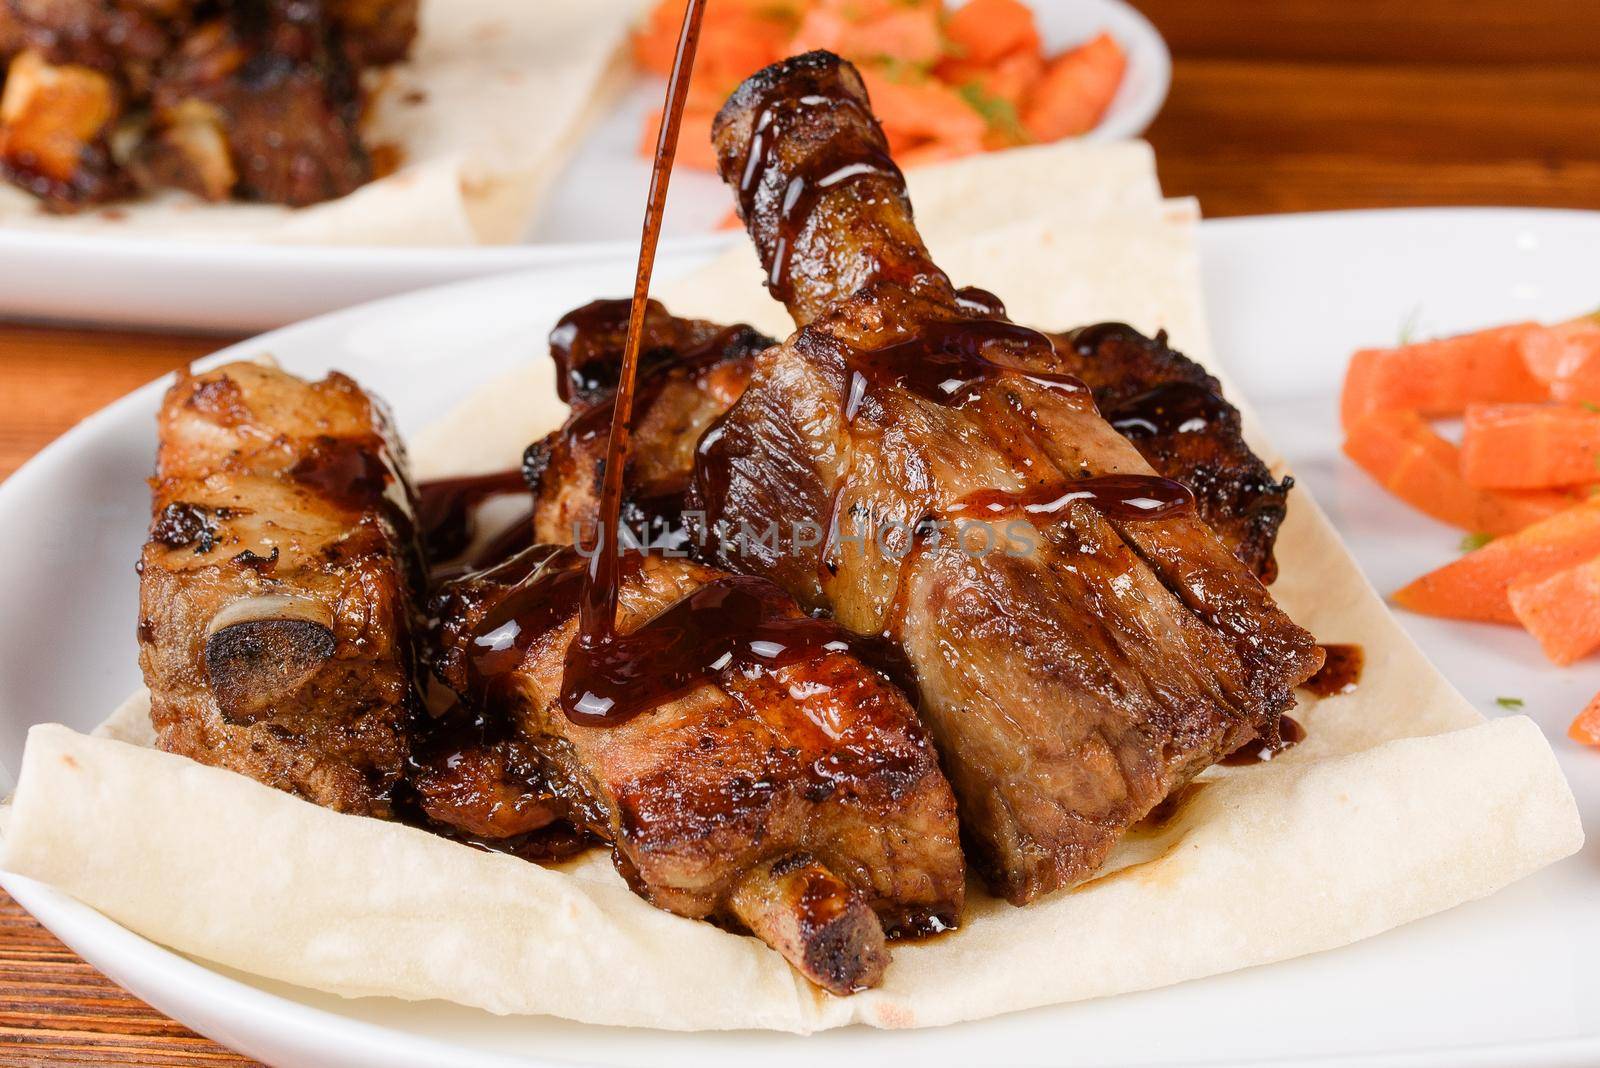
1476 540
1408 326
1512 703
998 112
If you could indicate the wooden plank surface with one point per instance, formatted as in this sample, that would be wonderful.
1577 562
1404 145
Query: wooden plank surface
1277 105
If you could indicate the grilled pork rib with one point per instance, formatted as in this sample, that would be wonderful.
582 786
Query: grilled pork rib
1070 686
275 590
690 373
1167 405
1174 413
802 802
259 103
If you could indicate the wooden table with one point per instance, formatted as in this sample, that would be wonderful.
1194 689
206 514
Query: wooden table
1276 105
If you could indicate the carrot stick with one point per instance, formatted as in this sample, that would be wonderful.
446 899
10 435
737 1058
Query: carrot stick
1530 446
1477 586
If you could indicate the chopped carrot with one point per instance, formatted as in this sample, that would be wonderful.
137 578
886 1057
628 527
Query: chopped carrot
921 109
923 153
904 35
1585 730
1567 358
944 84
1477 585
1562 611
742 36
1007 80
985 30
1411 460
1530 446
1076 90
1442 377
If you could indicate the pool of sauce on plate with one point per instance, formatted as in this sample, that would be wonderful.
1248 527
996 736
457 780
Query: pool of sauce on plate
1340 672
1260 750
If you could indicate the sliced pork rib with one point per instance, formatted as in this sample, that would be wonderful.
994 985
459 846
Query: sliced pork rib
1083 664
275 590
801 802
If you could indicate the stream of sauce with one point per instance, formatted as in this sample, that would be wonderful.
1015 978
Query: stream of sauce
741 621
610 677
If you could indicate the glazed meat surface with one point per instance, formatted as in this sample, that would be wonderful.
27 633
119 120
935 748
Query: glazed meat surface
1167 405
1072 678
1175 414
690 373
275 620
803 803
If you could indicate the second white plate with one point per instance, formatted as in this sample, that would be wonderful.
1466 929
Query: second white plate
593 215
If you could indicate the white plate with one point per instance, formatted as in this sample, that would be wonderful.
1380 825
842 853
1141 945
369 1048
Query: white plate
594 213
1504 981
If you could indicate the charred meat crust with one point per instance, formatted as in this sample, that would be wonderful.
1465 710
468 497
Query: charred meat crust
1176 415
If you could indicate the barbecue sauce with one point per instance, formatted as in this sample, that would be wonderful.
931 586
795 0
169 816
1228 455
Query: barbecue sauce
1124 497
576 375
1340 671
1170 408
1261 750
945 361
733 621
351 472
611 677
582 342
445 508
